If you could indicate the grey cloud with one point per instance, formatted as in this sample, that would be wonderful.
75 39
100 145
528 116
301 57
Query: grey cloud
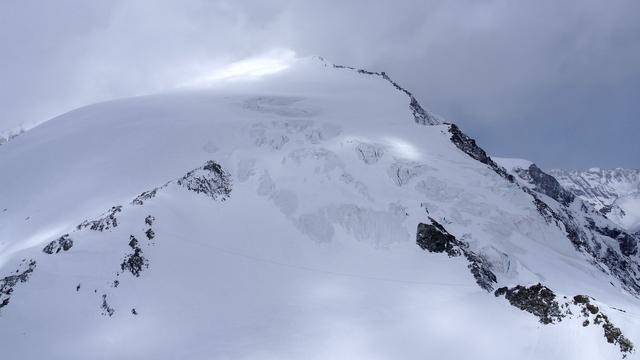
552 81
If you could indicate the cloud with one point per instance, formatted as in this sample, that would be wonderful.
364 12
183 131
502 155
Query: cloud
516 75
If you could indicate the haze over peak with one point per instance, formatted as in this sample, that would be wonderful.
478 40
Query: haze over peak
543 80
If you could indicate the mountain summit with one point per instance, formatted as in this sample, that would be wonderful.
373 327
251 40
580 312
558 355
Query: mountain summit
320 212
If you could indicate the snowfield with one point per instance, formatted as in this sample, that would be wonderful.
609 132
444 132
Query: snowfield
276 218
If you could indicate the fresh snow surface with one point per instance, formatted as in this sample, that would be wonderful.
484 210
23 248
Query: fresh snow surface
313 254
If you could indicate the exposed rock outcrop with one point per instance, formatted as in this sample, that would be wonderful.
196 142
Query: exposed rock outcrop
584 233
420 115
107 310
105 222
469 147
543 303
588 231
628 243
135 262
210 180
546 184
8 283
435 238
63 243
537 299
612 333
147 195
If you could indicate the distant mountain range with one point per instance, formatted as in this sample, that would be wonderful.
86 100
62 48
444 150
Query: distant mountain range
614 192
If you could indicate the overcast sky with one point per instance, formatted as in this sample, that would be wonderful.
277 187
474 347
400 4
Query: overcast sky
553 81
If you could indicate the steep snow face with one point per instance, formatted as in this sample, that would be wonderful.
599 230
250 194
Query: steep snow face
615 192
307 214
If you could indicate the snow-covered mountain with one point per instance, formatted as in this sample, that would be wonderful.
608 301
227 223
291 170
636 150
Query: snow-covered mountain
319 212
615 192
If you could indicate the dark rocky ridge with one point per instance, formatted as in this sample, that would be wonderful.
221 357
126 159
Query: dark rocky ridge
8 283
546 184
628 243
542 302
434 238
584 239
583 232
587 239
105 222
63 243
135 262
537 299
425 117
147 195
210 180
420 115
468 146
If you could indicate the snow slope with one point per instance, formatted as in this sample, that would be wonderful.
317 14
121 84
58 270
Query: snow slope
277 218
616 192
